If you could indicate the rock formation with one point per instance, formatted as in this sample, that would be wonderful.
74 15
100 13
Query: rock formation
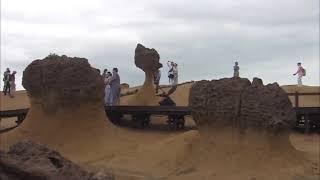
66 108
59 82
124 86
147 60
236 102
31 161
245 126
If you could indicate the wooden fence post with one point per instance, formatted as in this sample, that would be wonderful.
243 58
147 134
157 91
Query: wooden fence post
296 99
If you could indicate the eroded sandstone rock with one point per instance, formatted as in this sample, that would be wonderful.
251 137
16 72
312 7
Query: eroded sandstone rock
238 103
147 60
32 161
58 82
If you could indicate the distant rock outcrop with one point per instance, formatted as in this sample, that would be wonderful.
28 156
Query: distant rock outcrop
31 161
58 82
236 102
124 86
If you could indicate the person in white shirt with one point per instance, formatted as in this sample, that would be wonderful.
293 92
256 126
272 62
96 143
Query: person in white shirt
170 73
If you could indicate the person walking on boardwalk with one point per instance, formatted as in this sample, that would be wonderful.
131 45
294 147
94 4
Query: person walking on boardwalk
301 72
6 82
115 87
236 69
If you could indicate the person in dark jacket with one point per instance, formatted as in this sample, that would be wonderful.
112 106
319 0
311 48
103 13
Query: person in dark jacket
115 87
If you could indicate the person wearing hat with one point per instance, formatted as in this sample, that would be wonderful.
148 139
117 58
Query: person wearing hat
12 82
6 84
157 77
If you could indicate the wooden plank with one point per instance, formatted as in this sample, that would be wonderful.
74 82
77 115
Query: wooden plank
304 94
307 110
13 113
160 110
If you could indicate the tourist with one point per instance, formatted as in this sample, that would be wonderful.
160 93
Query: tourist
157 77
301 72
170 73
98 70
105 74
6 83
175 74
236 69
115 87
107 91
12 82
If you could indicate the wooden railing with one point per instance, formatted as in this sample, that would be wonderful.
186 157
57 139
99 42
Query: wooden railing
297 94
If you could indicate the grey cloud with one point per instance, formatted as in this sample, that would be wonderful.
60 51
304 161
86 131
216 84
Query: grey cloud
205 37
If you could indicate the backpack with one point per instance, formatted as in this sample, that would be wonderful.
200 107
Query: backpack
303 72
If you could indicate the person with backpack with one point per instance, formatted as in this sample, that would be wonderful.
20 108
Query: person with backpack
6 82
301 72
12 82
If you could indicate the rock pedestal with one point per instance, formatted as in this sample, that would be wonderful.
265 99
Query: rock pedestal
147 60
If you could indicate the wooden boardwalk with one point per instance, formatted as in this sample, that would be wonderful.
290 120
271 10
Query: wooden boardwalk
307 117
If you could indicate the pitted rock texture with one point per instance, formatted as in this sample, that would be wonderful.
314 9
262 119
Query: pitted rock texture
146 59
266 106
61 81
31 161
235 102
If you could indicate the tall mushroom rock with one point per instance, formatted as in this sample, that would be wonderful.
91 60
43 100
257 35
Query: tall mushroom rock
147 60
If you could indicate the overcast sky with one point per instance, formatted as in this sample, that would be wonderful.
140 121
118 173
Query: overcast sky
267 37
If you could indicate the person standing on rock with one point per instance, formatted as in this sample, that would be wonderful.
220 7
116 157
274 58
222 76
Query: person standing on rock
236 69
12 82
105 74
157 77
6 82
115 87
175 74
170 73
107 91
301 72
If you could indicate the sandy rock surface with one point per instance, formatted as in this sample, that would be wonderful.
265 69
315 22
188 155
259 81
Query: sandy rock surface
31 161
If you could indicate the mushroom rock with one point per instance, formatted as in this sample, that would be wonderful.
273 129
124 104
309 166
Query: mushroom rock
66 108
57 83
243 124
147 60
